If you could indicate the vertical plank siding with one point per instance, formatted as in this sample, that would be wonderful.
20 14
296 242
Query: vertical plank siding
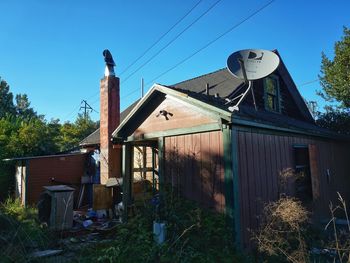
262 157
65 170
194 166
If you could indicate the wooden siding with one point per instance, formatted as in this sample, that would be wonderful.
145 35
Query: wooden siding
194 165
66 170
183 116
288 105
262 157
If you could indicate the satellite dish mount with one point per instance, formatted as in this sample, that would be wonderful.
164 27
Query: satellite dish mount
248 65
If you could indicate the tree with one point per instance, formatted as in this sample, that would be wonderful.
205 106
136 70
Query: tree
6 99
335 74
23 106
335 120
72 133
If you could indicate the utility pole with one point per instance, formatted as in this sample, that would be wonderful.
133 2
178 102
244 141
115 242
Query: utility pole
86 108
142 88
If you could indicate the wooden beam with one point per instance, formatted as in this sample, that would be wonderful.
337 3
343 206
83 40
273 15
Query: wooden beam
174 132
228 176
236 192
27 173
126 171
161 155
254 124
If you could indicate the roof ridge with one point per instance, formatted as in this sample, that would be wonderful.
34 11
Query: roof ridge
197 77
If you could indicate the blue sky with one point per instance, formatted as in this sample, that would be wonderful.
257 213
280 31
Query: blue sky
52 50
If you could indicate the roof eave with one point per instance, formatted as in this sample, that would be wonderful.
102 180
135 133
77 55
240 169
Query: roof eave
176 94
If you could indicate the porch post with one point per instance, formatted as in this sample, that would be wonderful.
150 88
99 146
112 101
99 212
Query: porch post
236 197
126 172
161 163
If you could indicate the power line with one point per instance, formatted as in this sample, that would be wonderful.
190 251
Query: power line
213 41
132 92
76 109
205 46
308 82
161 37
171 41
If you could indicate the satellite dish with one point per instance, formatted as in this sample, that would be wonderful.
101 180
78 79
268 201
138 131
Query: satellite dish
258 63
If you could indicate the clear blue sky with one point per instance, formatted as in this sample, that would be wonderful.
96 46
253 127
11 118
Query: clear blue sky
52 50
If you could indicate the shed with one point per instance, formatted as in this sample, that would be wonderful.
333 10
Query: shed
33 173
235 162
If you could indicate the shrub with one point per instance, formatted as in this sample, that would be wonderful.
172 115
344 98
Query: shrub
282 233
193 235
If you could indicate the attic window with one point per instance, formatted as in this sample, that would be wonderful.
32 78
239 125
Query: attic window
272 93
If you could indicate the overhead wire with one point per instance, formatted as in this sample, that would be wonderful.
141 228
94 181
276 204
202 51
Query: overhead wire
308 82
76 109
155 43
213 41
200 49
171 41
161 37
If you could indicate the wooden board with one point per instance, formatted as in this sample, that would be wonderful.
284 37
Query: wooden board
314 169
102 197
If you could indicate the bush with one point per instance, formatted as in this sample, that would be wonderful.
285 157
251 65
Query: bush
282 233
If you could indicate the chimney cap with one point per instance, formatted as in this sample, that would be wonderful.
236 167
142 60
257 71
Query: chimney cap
110 64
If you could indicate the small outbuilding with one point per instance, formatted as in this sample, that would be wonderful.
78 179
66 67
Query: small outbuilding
33 173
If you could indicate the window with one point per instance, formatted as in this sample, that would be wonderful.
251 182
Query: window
303 186
272 96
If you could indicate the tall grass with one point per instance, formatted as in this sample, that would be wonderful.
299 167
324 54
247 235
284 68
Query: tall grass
20 232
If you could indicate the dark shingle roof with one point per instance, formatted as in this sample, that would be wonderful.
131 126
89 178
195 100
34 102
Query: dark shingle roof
221 82
94 138
223 85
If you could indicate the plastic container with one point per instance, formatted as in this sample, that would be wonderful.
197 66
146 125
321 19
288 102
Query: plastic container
159 232
87 223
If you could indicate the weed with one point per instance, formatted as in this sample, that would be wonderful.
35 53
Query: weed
193 235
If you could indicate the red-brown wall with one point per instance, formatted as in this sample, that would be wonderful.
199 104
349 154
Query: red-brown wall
262 156
194 164
66 169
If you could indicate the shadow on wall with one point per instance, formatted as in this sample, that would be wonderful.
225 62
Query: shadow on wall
7 180
196 172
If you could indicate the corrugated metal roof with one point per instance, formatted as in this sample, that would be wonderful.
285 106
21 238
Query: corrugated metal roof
44 156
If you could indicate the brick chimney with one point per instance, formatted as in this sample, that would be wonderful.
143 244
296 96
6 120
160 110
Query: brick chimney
110 158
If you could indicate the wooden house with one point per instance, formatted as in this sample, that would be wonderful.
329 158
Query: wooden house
233 162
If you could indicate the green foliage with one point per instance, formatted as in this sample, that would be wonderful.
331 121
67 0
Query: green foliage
336 120
335 74
72 133
23 106
193 235
6 99
20 232
25 133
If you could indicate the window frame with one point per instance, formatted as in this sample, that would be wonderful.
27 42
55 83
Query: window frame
277 95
